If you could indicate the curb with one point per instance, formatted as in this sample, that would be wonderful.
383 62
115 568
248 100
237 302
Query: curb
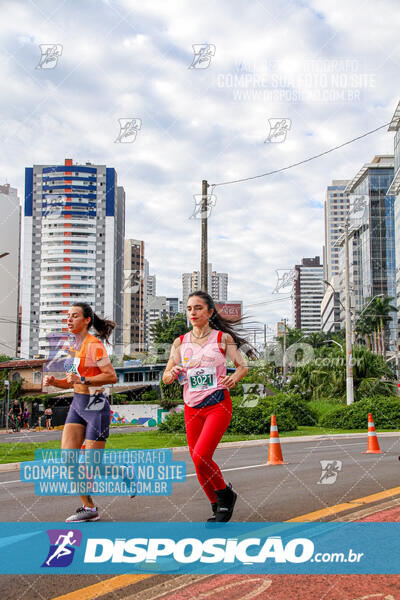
262 442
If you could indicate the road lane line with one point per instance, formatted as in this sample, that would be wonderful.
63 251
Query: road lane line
103 587
334 446
316 515
13 481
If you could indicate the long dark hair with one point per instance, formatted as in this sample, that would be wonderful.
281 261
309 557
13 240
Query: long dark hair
103 327
217 321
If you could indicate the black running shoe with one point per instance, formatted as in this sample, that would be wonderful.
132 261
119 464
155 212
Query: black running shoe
214 509
225 503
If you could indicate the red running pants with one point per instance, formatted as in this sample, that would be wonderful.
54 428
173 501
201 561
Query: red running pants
204 430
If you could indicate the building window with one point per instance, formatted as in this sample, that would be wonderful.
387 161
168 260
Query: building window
37 377
16 376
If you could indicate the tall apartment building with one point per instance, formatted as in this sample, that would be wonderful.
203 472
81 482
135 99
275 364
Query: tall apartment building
149 281
217 285
10 242
336 209
173 306
308 294
134 296
74 227
372 263
157 308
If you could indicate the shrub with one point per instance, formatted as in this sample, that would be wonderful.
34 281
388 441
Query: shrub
301 410
174 423
172 391
150 396
257 420
385 412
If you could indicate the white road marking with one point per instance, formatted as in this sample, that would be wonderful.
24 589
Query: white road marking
334 446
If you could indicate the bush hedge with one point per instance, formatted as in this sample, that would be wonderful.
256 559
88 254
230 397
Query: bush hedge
385 412
174 423
252 415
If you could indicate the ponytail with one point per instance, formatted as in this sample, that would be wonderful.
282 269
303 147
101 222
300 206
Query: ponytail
230 326
103 327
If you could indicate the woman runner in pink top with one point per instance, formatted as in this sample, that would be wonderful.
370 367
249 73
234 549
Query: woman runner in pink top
198 360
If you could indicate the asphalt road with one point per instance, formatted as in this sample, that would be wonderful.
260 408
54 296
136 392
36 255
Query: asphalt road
265 493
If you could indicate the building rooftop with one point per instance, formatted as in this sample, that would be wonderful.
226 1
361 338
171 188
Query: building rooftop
395 122
19 364
380 161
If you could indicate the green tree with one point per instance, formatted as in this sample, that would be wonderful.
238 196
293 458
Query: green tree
165 331
4 358
375 319
325 376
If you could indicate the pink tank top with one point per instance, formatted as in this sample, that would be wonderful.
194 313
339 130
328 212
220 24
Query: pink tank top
204 366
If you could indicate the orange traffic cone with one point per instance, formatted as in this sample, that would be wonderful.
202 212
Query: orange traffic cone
373 444
274 449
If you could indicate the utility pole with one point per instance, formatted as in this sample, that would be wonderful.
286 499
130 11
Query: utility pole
349 346
204 238
284 352
265 343
5 413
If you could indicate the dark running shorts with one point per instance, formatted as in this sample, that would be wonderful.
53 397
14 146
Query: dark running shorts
93 412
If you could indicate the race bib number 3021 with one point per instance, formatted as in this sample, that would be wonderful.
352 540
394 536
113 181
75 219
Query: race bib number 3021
202 379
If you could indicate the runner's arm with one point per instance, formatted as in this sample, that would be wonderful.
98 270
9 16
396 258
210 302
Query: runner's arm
107 374
236 357
173 368
60 383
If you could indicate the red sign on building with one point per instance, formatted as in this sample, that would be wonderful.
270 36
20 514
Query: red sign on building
229 310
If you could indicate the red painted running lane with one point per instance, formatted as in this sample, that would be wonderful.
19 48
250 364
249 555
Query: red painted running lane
383 516
290 587
297 587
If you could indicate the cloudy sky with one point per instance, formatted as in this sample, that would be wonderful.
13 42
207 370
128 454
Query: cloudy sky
327 70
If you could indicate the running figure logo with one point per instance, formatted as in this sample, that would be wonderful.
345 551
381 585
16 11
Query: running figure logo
330 470
198 212
62 550
286 279
278 129
50 55
358 206
203 54
128 129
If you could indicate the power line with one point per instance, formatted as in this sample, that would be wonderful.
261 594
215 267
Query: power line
302 161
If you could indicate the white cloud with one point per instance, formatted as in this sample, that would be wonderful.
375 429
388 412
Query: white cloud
125 59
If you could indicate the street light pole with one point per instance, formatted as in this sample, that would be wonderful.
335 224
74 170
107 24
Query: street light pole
204 238
349 345
284 352
7 386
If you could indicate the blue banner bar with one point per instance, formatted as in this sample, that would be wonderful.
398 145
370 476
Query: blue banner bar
200 548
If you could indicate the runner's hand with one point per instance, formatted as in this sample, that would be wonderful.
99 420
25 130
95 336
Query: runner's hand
174 372
229 381
49 380
73 378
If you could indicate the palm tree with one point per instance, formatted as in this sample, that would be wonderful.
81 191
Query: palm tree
376 317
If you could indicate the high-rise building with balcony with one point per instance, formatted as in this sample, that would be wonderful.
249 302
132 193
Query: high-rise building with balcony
217 285
307 294
134 296
10 228
335 212
74 218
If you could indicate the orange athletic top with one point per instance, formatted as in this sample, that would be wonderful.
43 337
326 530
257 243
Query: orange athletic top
86 358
